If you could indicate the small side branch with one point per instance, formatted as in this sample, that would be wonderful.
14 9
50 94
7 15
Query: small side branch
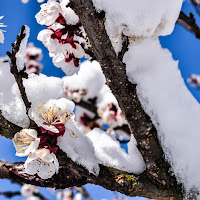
84 192
189 23
14 70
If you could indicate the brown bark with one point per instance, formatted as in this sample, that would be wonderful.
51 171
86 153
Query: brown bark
114 70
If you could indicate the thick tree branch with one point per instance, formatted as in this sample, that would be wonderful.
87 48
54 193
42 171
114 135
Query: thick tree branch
189 23
72 174
157 172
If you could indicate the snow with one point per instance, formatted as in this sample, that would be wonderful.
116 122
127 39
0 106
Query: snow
140 18
86 79
11 105
109 152
172 108
38 88
21 54
79 148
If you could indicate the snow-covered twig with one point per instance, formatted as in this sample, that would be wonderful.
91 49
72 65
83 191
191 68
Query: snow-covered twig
19 75
13 67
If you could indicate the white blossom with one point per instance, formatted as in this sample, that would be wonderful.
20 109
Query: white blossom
49 13
52 113
43 163
28 190
1 31
25 142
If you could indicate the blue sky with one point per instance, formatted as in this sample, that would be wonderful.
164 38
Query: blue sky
183 45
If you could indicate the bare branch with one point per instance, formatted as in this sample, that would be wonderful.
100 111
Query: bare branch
189 23
72 174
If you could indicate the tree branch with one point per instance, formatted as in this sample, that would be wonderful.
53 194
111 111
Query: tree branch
189 23
84 192
22 74
72 174
8 129
157 171
14 70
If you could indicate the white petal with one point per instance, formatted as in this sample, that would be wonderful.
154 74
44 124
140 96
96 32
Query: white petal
47 170
55 162
33 146
31 167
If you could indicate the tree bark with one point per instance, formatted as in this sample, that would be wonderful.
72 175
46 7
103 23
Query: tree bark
157 171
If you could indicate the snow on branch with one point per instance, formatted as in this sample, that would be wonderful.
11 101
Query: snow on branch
16 47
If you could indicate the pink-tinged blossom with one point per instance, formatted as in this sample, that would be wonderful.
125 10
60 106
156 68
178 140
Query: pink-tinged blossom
111 115
194 80
33 53
33 56
1 31
64 44
53 114
28 190
25 142
75 95
49 13
43 163
33 67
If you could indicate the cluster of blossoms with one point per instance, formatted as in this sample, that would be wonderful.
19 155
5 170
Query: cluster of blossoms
194 80
85 86
41 145
1 31
33 56
64 37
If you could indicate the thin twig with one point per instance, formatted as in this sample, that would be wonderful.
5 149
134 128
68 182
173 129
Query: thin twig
14 70
22 74
84 192
189 23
